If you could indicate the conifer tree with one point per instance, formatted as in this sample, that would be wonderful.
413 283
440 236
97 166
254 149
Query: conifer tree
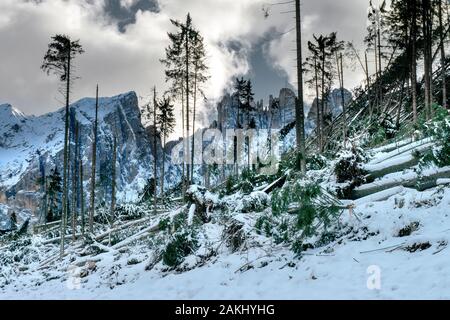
54 191
59 60
186 70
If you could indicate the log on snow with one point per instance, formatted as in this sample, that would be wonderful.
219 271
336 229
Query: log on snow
411 180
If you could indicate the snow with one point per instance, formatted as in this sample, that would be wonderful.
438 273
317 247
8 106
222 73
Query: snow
341 273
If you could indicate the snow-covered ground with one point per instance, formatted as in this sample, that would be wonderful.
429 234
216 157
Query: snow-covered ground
371 253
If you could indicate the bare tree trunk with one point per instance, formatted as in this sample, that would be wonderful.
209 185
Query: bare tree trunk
74 184
339 62
443 71
183 181
193 124
368 84
155 194
414 60
187 99
113 182
376 89
322 106
318 125
66 138
93 168
426 58
82 199
299 109
163 161
380 86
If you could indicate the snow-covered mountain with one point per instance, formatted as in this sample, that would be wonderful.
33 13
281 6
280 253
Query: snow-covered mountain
32 146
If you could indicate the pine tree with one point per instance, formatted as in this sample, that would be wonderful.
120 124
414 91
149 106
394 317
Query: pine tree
54 191
59 59
323 50
185 68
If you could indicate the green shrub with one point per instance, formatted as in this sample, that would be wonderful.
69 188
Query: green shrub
299 211
439 128
180 246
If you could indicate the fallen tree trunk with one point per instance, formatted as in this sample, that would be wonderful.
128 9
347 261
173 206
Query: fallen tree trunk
411 180
276 184
141 234
379 196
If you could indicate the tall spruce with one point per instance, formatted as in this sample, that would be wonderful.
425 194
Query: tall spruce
59 60
181 56
323 50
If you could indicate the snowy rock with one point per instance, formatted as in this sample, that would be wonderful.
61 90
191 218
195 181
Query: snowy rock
31 146
255 202
6 224
204 201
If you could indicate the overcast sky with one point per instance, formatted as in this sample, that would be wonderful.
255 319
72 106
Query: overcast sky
124 40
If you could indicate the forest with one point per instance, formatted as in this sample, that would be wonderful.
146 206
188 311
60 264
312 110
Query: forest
362 174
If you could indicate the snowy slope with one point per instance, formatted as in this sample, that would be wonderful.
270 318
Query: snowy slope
30 145
341 270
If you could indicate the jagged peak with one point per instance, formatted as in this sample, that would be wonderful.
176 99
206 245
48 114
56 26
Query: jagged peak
7 111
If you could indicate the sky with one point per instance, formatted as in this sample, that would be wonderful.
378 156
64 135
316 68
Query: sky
125 39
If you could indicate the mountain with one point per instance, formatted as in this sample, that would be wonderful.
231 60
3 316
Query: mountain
333 108
278 113
32 146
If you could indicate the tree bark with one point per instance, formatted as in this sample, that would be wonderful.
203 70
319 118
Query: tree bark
299 110
443 71
187 95
66 138
113 182
155 153
414 60
318 125
163 161
193 124
82 199
74 184
93 168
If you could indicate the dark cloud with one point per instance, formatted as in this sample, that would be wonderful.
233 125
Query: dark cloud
127 15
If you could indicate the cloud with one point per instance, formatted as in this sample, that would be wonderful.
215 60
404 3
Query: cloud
124 40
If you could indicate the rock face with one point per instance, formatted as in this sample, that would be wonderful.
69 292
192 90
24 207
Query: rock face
333 107
33 146
277 114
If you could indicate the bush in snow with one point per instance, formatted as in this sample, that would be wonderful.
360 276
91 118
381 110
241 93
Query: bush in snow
180 246
254 202
382 130
349 168
349 162
439 128
299 211
234 235
204 201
